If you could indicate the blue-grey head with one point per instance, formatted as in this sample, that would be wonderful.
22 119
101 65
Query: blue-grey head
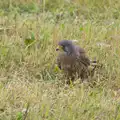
67 46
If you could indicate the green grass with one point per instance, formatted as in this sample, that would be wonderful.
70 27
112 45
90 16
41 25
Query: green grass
28 78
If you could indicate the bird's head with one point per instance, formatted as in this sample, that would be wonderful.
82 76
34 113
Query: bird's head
66 46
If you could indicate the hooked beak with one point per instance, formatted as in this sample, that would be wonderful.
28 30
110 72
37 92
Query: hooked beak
59 48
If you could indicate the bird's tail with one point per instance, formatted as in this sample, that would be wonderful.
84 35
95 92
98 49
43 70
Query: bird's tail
94 64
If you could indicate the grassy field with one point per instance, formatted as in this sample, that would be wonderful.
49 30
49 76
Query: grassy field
30 86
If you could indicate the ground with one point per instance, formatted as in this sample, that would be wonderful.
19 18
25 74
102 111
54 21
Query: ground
31 86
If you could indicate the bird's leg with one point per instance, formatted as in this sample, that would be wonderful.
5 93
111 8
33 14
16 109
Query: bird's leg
95 65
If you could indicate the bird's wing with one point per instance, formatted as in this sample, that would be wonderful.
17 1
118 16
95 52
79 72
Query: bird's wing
82 56
85 60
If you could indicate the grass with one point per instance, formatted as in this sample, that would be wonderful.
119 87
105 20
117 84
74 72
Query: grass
30 86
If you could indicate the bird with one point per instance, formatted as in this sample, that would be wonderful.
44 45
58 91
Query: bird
72 60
